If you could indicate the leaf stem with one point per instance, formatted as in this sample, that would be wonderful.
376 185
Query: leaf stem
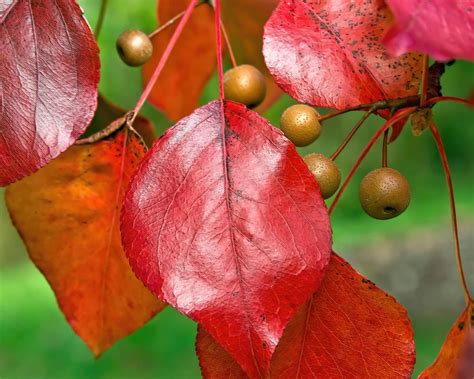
164 58
171 21
351 134
452 204
397 117
100 19
220 70
425 80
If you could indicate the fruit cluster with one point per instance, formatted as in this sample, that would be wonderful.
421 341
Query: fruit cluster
383 194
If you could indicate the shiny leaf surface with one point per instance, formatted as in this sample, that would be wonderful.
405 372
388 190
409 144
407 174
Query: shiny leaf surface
48 82
224 222
329 53
348 329
68 216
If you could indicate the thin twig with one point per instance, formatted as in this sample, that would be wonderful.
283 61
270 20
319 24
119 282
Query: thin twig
452 204
393 105
107 131
100 19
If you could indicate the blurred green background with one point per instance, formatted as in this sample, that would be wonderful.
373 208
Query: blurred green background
410 256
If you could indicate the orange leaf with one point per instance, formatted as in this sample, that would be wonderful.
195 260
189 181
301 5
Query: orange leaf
193 60
68 216
449 359
348 329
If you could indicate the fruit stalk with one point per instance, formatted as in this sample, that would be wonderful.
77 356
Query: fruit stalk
100 19
397 117
229 47
171 21
351 134
452 204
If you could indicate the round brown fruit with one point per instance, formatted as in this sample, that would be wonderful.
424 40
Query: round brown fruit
300 123
134 47
245 84
384 193
326 173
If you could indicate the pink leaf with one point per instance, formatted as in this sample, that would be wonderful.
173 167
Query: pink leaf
224 222
329 53
443 29
49 73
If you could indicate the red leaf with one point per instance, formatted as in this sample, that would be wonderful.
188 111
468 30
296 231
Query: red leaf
193 60
48 91
224 221
449 361
329 53
443 29
348 329
67 215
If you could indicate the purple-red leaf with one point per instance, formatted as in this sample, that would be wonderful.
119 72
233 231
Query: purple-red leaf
329 53
224 222
443 29
49 71
348 329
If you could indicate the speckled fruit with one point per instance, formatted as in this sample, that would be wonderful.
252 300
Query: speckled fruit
300 123
326 173
134 47
245 84
384 193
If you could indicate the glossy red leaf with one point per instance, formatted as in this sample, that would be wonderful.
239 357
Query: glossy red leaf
443 29
48 90
67 213
329 53
348 329
224 222
193 60
449 362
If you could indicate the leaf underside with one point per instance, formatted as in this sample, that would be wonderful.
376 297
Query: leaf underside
48 89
